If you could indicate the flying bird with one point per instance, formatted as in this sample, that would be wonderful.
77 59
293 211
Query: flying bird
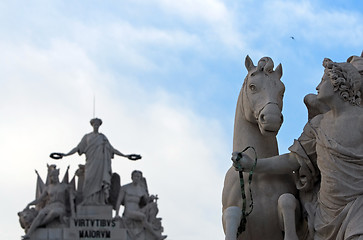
292 38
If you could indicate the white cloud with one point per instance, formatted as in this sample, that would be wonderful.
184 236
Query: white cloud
312 22
213 18
210 11
46 103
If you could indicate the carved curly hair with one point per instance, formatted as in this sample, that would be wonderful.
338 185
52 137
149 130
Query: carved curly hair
345 79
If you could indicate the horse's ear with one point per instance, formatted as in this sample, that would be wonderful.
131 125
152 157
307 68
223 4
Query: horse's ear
248 63
278 70
361 54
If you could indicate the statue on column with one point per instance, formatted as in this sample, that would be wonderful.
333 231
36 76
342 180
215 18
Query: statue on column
98 173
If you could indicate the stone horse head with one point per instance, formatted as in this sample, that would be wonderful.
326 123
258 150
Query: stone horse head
262 94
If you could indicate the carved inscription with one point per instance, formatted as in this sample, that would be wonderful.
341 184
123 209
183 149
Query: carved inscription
85 223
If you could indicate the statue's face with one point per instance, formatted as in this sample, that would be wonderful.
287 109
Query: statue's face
96 125
53 178
325 89
136 177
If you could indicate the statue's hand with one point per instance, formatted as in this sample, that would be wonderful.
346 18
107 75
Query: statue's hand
57 156
241 161
153 197
133 157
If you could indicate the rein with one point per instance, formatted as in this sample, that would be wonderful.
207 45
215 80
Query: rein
242 225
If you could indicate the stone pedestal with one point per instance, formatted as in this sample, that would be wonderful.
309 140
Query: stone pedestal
91 222
104 211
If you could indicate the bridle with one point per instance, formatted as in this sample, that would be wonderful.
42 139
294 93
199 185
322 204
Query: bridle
249 102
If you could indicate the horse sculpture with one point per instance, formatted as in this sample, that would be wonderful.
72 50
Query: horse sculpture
257 121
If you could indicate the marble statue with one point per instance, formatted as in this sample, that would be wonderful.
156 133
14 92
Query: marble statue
327 159
59 214
140 210
257 121
54 195
83 207
97 176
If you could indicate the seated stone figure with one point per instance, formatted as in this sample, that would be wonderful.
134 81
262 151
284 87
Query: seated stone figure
328 157
140 208
54 196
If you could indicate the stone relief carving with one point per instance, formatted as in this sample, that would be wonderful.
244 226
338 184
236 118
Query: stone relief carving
327 159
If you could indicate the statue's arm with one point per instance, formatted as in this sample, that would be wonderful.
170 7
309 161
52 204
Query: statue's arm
73 151
79 148
132 157
120 198
152 198
36 201
57 155
117 152
280 164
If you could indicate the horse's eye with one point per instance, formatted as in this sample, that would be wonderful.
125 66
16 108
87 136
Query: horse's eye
253 87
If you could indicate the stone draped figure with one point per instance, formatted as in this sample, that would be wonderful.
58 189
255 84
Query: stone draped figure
99 152
52 203
327 159
140 210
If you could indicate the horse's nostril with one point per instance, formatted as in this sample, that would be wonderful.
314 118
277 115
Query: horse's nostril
262 117
282 118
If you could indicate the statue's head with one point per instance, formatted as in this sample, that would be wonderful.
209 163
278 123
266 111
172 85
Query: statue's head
346 80
262 95
136 176
96 121
53 173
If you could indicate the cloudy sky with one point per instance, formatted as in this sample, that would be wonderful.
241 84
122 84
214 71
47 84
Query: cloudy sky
165 76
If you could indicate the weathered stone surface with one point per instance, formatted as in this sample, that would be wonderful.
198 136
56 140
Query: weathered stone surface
55 234
40 234
99 212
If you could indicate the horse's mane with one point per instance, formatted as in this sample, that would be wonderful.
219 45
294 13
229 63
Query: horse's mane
265 64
